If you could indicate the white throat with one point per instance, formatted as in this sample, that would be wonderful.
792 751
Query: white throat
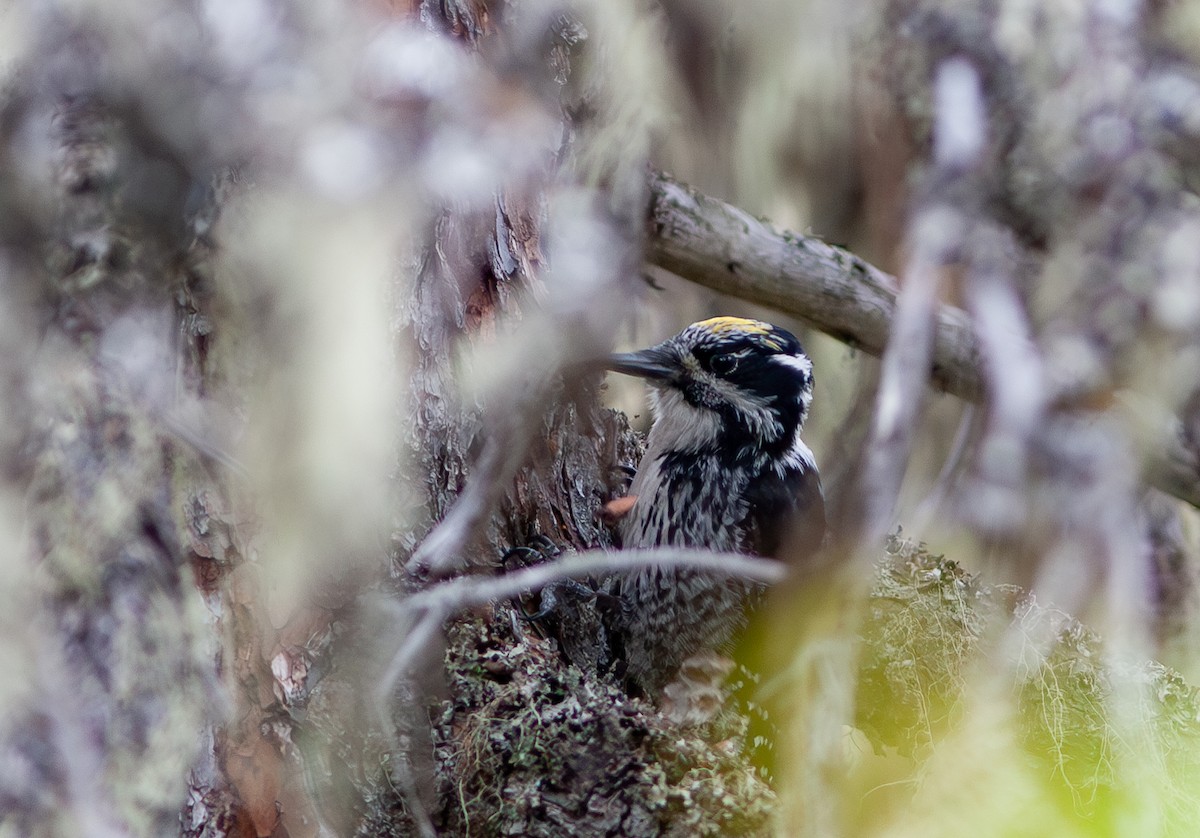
679 426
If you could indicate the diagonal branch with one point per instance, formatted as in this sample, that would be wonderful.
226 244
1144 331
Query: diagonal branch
721 247
726 249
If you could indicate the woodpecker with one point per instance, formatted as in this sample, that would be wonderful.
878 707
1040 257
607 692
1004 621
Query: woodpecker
725 468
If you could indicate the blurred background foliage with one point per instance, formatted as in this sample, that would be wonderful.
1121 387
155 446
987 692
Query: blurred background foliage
283 283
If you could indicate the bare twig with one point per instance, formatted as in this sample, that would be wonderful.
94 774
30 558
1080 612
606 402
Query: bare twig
469 591
926 512
935 235
419 636
1016 382
901 389
440 602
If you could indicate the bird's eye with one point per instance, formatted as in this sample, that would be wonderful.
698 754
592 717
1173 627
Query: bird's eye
723 364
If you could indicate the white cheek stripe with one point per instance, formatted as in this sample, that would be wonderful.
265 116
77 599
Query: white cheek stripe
797 362
803 365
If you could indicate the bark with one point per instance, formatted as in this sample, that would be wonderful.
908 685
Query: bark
101 590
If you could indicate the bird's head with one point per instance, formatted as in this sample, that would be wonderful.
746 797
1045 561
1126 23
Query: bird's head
730 384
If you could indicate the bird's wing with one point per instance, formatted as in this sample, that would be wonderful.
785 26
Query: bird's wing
786 514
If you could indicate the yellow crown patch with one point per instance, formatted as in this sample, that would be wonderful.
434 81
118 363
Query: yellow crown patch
723 325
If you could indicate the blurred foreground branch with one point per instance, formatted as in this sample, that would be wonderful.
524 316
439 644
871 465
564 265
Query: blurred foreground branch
724 248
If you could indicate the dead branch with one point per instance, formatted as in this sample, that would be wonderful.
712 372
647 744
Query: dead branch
726 249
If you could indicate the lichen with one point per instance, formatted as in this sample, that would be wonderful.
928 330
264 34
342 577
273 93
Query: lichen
535 746
924 621
1093 725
